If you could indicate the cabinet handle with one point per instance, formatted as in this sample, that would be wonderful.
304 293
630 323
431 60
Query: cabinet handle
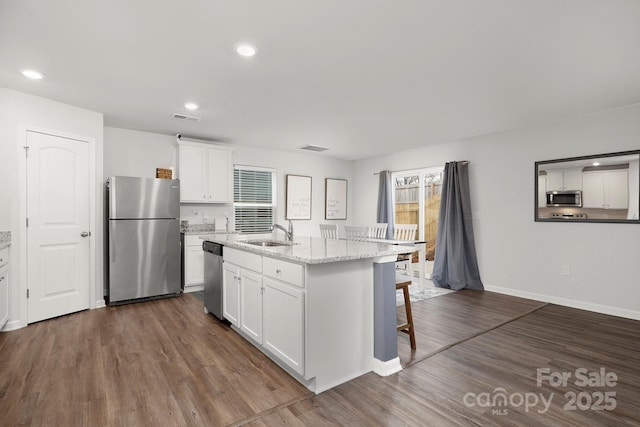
2 279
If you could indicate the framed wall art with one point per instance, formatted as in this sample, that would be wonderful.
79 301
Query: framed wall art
298 197
335 196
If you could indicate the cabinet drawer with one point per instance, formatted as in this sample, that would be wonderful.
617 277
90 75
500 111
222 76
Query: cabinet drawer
193 240
283 270
242 259
4 257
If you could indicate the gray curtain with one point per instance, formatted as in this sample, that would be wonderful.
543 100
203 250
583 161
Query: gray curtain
385 202
456 264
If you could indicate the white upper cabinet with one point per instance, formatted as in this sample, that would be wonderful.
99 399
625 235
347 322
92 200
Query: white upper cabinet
205 173
564 179
542 191
606 190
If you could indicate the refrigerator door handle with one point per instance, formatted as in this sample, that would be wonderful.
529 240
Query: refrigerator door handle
112 241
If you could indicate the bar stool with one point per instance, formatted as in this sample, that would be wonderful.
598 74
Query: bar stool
403 282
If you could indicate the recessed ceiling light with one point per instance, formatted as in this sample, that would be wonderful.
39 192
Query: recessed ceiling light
595 164
32 74
245 49
191 106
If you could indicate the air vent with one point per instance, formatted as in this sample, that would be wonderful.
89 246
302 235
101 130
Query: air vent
185 117
313 148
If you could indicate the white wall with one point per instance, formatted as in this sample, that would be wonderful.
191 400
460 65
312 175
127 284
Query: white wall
139 153
517 255
19 111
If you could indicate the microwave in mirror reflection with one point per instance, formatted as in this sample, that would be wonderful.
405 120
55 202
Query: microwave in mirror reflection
597 188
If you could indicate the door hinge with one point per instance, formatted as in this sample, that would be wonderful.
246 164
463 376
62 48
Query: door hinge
26 150
27 222
27 293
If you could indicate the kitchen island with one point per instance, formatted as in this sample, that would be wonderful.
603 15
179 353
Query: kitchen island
323 309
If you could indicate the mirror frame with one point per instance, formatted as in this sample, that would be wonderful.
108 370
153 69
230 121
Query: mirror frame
572 159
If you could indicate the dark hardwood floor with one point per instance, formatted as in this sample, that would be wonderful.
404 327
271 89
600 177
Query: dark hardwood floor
166 363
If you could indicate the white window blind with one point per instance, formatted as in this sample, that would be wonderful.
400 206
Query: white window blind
254 198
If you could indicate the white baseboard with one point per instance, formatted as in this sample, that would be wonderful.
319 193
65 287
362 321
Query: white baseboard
193 288
582 305
384 369
12 325
100 303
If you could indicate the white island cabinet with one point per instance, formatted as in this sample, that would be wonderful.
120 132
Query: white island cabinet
205 173
309 306
283 311
267 311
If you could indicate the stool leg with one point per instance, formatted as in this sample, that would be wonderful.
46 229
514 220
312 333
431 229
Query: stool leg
407 305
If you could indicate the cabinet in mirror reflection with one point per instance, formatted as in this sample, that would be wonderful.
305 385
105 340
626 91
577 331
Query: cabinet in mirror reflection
597 188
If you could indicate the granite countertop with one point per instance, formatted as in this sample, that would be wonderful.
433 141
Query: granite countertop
204 229
310 250
5 239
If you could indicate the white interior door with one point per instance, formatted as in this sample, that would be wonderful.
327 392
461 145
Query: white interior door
58 245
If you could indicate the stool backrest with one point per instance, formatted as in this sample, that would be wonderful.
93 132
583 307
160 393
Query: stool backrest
405 231
378 231
356 232
329 231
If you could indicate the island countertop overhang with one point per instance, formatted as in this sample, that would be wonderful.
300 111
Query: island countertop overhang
310 250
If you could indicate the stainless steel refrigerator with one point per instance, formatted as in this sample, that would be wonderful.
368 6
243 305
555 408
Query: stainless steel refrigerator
143 254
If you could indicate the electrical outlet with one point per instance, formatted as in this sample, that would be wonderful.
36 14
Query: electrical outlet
566 270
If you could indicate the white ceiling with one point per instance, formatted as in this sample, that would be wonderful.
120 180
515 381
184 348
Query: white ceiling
361 77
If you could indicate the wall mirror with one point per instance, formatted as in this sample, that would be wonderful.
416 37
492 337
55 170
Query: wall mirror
598 188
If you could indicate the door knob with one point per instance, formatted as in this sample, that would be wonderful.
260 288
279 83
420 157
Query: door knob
85 234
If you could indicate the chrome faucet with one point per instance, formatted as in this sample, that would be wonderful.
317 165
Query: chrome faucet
288 233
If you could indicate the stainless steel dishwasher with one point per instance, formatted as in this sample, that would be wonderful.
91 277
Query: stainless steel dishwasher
213 278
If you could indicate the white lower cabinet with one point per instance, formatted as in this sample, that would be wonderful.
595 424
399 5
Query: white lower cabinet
251 304
283 322
4 286
193 263
231 293
270 310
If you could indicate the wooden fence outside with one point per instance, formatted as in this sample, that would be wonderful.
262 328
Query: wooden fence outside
407 213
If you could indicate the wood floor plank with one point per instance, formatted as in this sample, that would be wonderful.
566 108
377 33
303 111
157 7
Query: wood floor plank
167 363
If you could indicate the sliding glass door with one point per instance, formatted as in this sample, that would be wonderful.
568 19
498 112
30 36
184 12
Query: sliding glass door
416 196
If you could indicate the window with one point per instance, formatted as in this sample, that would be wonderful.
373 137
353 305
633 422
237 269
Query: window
254 198
417 201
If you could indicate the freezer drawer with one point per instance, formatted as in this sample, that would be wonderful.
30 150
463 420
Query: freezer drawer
144 258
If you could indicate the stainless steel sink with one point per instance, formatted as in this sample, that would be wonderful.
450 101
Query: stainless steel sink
269 243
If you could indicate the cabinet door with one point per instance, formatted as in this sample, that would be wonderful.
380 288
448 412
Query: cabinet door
616 188
542 191
251 304
220 176
572 179
193 165
284 323
4 295
193 265
592 190
231 293
554 181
